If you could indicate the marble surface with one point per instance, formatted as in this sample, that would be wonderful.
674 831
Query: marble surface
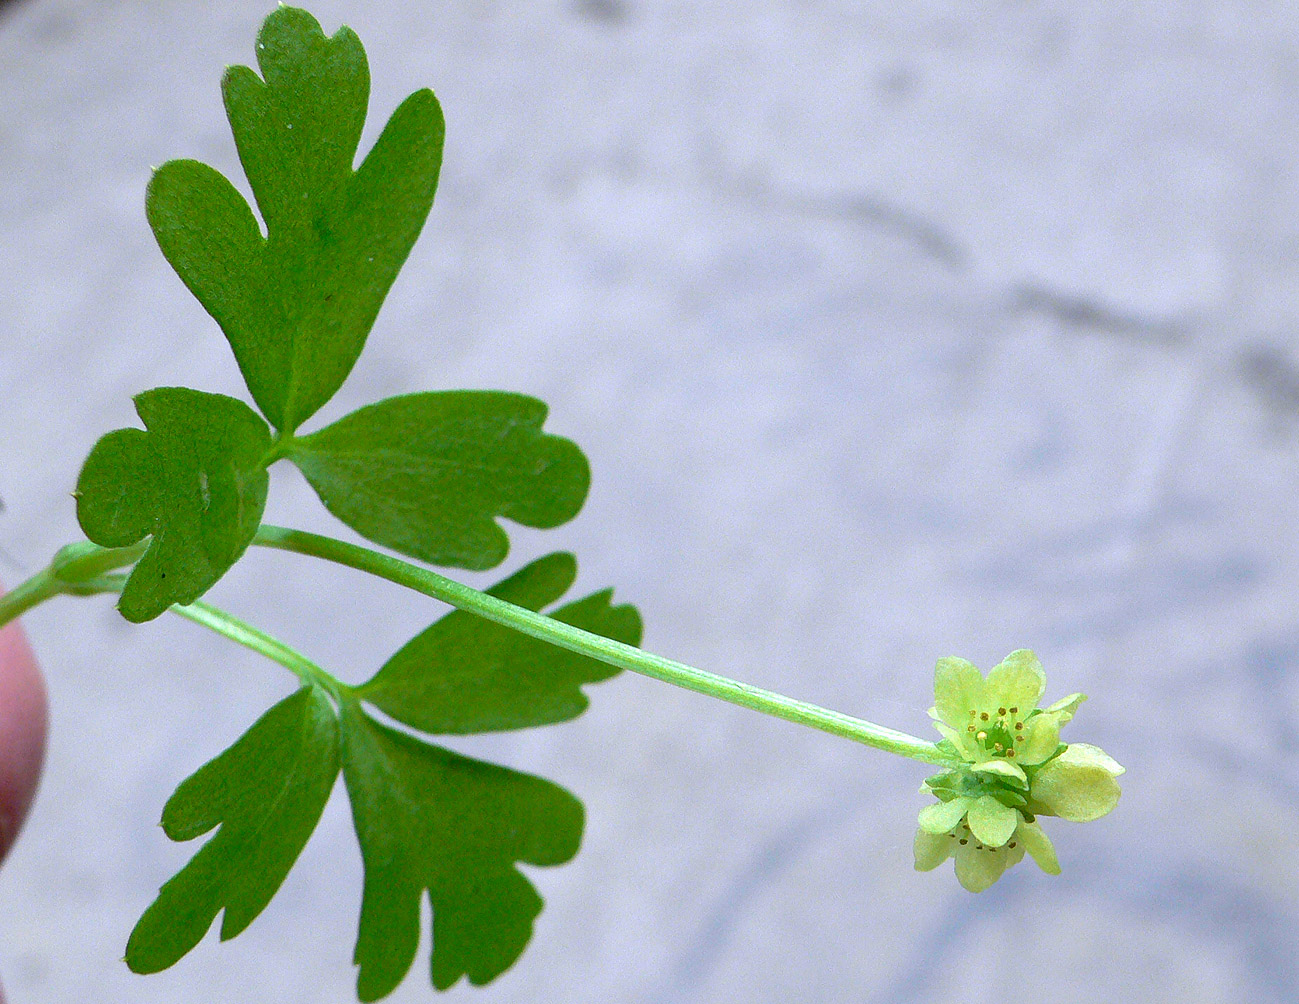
891 330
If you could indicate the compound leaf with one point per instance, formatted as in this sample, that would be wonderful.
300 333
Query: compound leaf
465 674
194 479
298 304
427 474
429 819
266 792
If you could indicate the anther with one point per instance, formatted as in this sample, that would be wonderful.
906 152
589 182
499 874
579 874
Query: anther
981 736
998 747
1019 725
1019 739
1011 844
1010 752
969 728
983 716
964 841
1014 711
1002 712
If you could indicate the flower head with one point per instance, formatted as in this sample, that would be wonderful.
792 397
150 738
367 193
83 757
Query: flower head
1012 769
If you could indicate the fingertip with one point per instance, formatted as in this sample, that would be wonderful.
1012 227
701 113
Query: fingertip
23 724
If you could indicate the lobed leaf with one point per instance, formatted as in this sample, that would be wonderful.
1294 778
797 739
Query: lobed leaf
297 305
431 820
427 474
194 479
466 674
266 792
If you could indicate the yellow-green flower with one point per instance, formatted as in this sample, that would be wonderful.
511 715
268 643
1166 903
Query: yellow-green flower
1013 769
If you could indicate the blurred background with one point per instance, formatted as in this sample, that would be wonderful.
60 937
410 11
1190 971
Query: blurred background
892 331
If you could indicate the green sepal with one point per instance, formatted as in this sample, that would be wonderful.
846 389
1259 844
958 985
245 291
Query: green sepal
266 793
428 474
942 785
1002 770
297 305
194 479
466 674
1065 707
1007 797
431 820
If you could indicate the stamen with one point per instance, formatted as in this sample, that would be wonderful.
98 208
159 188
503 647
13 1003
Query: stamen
1019 739
969 728
964 841
983 716
1010 752
1014 711
998 747
1019 725
1002 712
981 736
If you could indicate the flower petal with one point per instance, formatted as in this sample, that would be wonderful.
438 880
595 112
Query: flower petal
977 869
990 821
1032 838
963 741
1077 785
931 849
1016 682
1002 768
1066 706
943 816
958 689
1041 738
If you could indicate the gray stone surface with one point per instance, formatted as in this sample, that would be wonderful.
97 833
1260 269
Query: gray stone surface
891 330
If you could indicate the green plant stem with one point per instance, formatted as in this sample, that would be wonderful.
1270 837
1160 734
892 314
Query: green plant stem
605 650
79 569
71 566
233 628
40 587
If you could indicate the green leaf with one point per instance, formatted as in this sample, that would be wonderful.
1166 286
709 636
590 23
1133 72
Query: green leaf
266 792
297 305
429 819
427 474
195 481
465 674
